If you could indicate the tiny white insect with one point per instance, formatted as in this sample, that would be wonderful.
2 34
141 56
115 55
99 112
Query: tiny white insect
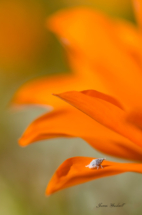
96 163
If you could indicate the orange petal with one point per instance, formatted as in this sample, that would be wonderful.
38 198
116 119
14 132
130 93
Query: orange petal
73 123
101 47
40 91
105 113
73 172
103 96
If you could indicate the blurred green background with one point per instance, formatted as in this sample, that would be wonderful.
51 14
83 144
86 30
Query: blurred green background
27 51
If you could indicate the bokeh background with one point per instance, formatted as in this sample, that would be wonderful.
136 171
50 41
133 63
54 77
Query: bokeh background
28 51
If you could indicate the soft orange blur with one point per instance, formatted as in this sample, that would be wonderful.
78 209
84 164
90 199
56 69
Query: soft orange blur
21 32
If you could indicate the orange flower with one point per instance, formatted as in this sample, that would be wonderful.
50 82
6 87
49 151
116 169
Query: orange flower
105 55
